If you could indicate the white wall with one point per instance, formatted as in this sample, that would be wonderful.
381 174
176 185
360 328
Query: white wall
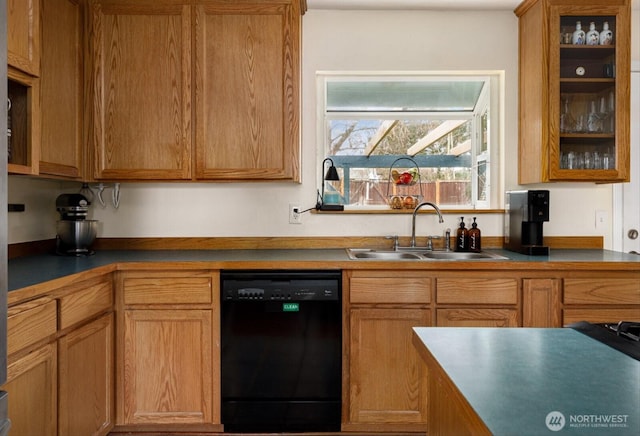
332 40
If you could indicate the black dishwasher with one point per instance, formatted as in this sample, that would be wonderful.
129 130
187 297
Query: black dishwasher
281 350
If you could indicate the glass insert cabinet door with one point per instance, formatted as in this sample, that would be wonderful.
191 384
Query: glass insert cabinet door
589 104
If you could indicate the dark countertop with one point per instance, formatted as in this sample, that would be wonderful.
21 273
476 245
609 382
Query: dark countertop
33 270
514 377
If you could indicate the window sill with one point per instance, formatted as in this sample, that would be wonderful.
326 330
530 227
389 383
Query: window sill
445 211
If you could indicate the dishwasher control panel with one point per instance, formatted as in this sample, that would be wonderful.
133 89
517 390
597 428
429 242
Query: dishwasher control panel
279 286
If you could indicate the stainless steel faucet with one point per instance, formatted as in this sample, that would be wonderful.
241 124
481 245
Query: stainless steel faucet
413 222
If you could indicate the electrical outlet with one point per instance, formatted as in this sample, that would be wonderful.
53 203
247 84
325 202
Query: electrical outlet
601 219
295 217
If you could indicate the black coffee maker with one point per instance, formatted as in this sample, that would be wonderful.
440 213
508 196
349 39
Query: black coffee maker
525 213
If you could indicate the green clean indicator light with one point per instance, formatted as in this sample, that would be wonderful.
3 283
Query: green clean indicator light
290 307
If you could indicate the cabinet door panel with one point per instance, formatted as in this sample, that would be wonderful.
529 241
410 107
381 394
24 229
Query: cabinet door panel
61 89
86 354
31 385
167 367
141 60
23 35
247 90
541 302
387 379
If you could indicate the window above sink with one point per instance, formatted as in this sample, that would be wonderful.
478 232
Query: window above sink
447 124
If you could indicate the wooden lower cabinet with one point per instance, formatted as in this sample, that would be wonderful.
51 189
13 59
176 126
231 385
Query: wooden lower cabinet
385 382
387 379
167 367
31 385
66 376
86 379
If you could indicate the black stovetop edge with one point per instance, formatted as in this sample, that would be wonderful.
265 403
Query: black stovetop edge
602 334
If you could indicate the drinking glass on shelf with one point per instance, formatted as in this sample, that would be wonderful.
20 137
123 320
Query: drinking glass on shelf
563 160
571 160
580 124
597 160
588 160
594 121
567 122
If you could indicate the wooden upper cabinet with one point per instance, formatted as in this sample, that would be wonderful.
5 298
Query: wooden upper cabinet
232 67
141 89
574 98
23 35
61 89
247 90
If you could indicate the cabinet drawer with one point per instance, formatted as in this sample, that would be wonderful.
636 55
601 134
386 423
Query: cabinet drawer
85 303
611 315
477 318
391 289
477 291
175 288
602 291
28 323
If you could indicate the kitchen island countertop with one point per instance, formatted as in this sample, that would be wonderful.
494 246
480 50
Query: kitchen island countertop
33 270
537 380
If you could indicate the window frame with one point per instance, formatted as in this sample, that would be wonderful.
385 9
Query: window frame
492 97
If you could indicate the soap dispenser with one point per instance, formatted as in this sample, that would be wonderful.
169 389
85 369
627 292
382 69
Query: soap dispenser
462 237
474 237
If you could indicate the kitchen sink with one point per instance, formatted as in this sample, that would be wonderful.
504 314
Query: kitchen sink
455 255
357 253
418 254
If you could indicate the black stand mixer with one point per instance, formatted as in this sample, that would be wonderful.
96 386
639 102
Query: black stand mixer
75 233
